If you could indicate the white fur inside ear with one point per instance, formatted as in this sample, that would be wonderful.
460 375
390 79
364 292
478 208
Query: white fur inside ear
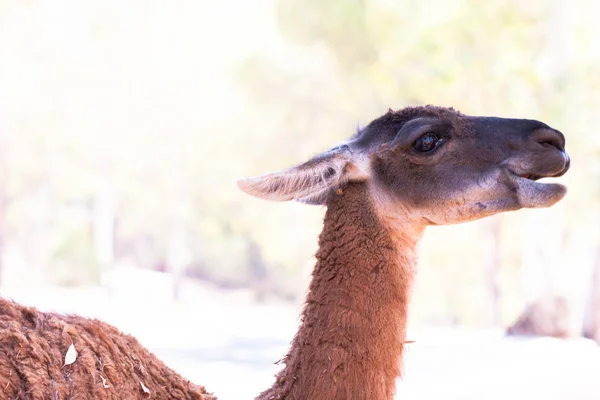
359 170
310 182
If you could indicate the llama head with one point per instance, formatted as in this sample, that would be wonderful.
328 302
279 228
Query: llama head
435 165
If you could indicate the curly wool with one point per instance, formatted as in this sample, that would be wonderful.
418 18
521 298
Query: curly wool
108 364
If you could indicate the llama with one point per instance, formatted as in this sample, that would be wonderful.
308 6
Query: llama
404 171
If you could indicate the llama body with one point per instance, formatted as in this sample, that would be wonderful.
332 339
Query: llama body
108 365
405 171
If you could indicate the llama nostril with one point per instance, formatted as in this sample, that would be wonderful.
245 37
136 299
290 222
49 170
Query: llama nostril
551 143
550 138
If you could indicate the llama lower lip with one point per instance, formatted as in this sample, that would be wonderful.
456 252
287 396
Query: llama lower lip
533 194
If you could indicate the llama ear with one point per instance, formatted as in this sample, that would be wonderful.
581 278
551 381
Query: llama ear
311 182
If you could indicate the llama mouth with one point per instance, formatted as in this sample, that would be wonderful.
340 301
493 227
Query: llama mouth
534 194
515 168
531 177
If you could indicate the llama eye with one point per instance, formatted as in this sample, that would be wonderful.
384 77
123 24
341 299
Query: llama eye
427 142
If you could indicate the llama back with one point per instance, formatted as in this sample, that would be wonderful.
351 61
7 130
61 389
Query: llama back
48 355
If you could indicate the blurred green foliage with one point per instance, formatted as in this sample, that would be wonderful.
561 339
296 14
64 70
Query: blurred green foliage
162 106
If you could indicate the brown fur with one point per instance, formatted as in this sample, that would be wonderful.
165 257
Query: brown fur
109 364
354 320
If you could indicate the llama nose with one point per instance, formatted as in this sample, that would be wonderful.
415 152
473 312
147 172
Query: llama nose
550 138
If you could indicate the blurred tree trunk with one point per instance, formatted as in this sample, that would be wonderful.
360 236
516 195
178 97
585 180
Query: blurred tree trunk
3 210
492 265
39 242
591 327
178 254
258 270
4 199
546 310
103 227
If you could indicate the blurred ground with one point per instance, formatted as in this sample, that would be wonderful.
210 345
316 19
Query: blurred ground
228 343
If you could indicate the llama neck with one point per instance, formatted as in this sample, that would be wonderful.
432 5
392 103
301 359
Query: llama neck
350 341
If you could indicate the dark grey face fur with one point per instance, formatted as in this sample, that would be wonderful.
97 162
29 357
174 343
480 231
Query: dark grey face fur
469 166
444 166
